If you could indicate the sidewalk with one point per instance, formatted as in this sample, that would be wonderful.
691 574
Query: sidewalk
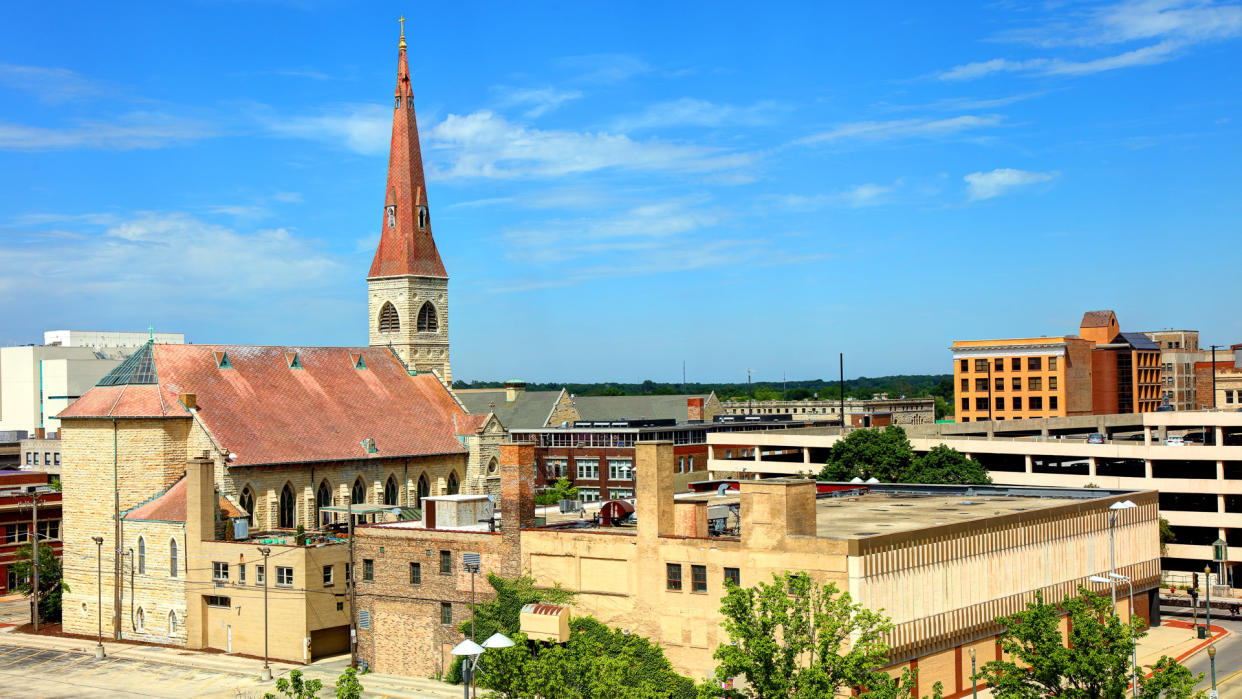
1174 638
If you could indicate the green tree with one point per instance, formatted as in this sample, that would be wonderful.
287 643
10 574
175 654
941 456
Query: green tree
561 490
943 407
882 454
796 638
294 687
1166 535
347 685
946 465
765 393
1095 664
51 581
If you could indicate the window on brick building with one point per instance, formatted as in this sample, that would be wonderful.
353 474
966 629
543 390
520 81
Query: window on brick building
219 572
416 573
1016 383
1034 363
1035 403
328 580
1017 403
998 364
446 613
1000 403
142 556
36 457
698 578
588 469
1015 363
965 404
29 456
219 601
981 384
446 563
247 503
389 321
620 493
733 575
1052 363
260 574
623 469
56 457
981 365
999 384
981 403
424 489
390 491
588 494
964 366
673 576
288 508
284 576
241 574
454 485
423 218
368 569
965 385
1052 402
172 557
556 468
428 321
323 498
1035 383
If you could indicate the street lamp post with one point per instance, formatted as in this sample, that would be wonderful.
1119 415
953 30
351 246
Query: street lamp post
470 652
1212 657
1207 600
266 674
1134 658
99 649
1112 540
974 684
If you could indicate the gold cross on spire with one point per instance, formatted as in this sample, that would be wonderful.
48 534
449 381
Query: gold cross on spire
402 21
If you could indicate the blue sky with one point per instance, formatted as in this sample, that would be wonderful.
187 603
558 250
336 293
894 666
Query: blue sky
620 187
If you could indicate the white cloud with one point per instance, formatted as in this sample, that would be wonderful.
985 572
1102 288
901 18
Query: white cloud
485 144
855 196
134 131
965 104
605 67
163 257
694 112
362 128
985 185
538 101
48 84
903 128
1169 26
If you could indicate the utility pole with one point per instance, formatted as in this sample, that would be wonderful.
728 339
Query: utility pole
349 581
266 675
99 649
841 367
1214 348
34 554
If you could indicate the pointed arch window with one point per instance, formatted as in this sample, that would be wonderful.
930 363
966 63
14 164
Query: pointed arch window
359 493
389 321
424 489
390 212
172 558
288 508
247 503
453 484
142 556
323 498
428 321
423 218
172 624
390 491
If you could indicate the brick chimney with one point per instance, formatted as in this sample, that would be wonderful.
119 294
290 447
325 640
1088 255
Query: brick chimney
694 409
774 508
200 499
513 388
653 476
517 488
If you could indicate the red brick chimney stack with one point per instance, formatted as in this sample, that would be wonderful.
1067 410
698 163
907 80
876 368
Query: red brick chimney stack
694 409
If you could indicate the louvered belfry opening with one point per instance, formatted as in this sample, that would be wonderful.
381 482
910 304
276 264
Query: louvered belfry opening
428 321
389 321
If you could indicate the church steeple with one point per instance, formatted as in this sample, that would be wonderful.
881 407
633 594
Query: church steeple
406 245
407 287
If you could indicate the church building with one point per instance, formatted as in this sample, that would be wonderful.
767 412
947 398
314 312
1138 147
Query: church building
199 476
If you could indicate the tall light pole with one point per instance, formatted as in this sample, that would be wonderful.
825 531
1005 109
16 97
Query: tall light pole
1112 541
99 649
1134 658
349 583
1212 657
266 674
1207 600
974 684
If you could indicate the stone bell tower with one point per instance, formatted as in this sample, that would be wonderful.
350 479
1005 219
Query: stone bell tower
407 286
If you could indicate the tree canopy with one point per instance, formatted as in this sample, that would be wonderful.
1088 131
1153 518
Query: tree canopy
1094 664
793 637
887 456
51 581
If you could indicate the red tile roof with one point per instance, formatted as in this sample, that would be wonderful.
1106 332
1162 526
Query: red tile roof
266 412
169 506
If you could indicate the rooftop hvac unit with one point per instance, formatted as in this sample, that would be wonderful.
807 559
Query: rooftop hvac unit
568 506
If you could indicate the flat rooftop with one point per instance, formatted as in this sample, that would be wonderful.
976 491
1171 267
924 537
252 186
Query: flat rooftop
889 508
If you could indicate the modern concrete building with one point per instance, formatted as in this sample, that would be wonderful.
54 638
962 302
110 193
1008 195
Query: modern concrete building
942 561
1199 483
39 381
1100 371
901 411
1179 350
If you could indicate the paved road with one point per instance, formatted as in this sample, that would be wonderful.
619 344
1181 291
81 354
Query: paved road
30 672
1228 655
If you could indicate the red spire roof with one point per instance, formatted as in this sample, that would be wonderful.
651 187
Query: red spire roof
406 245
